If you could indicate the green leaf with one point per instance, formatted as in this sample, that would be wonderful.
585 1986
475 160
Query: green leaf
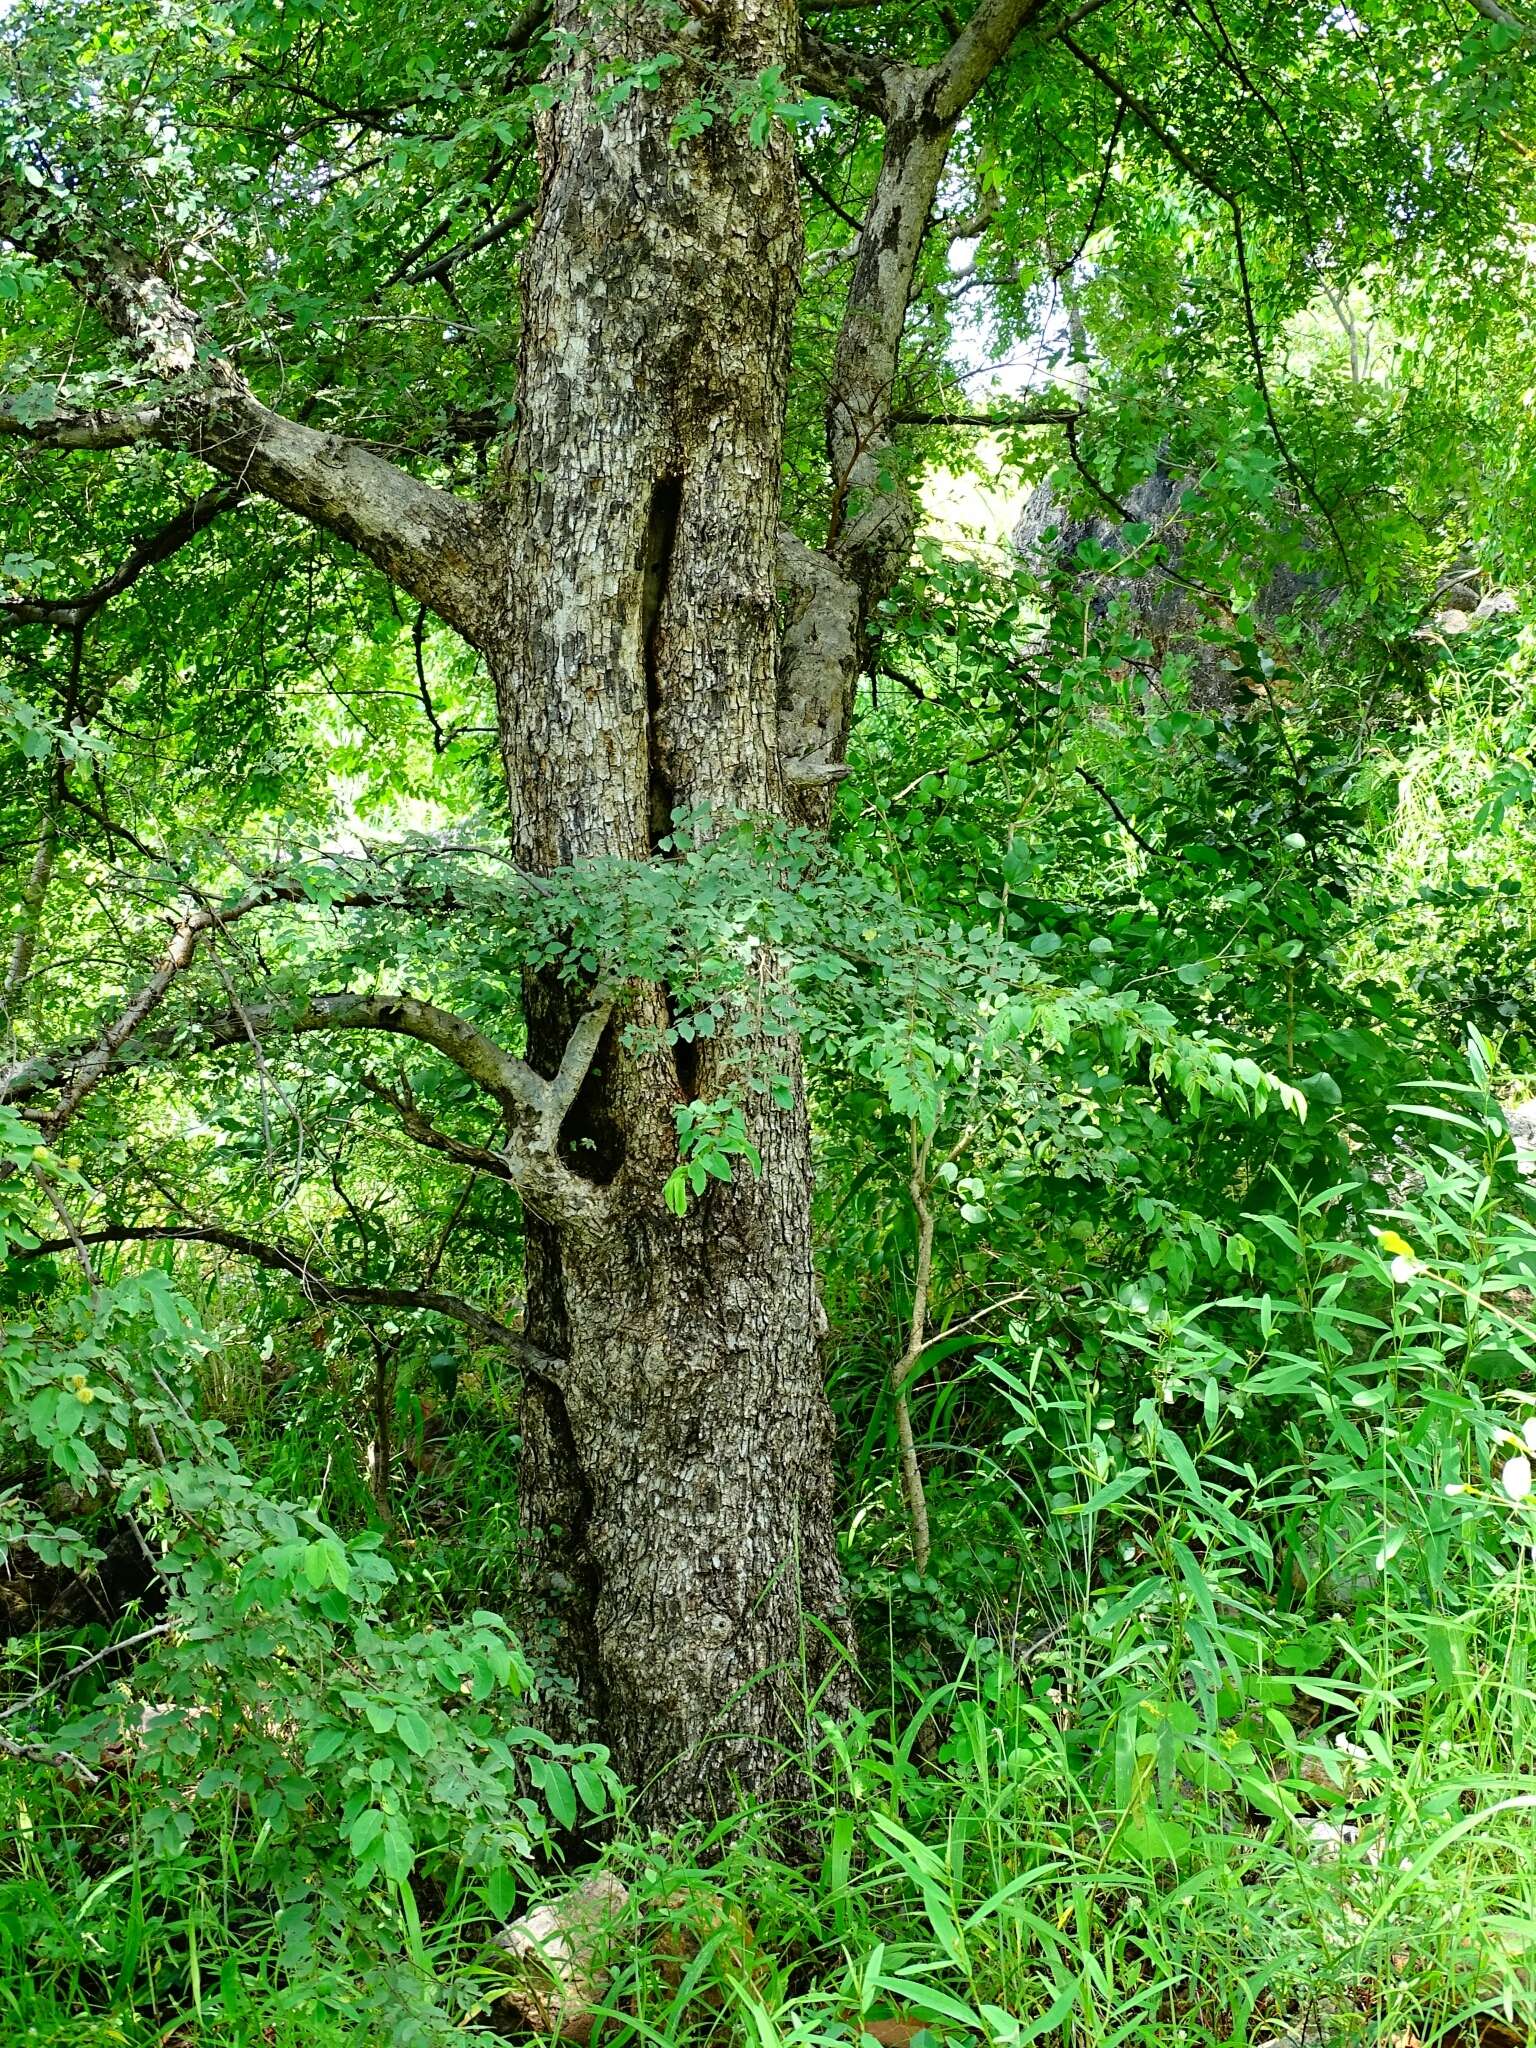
591 1786
554 1781
323 1746
365 1830
397 1854
413 1731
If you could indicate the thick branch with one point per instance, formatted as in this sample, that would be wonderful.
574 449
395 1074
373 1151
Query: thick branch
1490 10
87 1067
976 53
504 1078
818 661
969 227
428 541
841 74
117 427
873 519
872 527
560 1092
533 1108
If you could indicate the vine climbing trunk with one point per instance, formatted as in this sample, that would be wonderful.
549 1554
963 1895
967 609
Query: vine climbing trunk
677 1473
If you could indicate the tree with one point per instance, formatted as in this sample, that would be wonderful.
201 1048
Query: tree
662 646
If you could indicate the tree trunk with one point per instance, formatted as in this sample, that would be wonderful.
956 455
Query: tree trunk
677 1470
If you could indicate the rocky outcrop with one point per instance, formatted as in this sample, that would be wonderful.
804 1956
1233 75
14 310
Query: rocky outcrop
1168 609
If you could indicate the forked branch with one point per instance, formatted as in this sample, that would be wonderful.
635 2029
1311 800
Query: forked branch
532 1108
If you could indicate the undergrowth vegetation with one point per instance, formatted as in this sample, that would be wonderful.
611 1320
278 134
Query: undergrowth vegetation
1204 1716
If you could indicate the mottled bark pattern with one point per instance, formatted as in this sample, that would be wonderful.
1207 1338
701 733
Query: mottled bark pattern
680 1470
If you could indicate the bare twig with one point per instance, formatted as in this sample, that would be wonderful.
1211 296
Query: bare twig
117 1649
910 1470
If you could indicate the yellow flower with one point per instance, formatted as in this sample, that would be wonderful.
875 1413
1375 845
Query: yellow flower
1390 1241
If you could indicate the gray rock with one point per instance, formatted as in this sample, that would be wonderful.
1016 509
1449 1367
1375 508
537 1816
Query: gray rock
1166 611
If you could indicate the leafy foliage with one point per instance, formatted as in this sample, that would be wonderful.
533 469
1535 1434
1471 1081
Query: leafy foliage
1166 970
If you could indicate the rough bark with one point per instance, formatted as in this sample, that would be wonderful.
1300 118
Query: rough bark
678 1480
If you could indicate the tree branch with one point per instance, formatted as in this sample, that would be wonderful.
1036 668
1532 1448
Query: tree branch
318 1287
1050 32
969 227
872 540
1169 142
431 543
1124 822
871 528
425 1133
1042 416
575 1062
462 251
1208 181
69 430
818 661
90 1067
532 1107
871 525
980 47
1490 10
72 612
838 73
825 196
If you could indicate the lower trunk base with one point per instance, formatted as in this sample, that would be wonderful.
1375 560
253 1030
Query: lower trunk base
677 1488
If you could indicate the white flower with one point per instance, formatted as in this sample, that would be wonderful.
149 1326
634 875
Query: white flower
1528 1431
1404 1269
1516 1477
